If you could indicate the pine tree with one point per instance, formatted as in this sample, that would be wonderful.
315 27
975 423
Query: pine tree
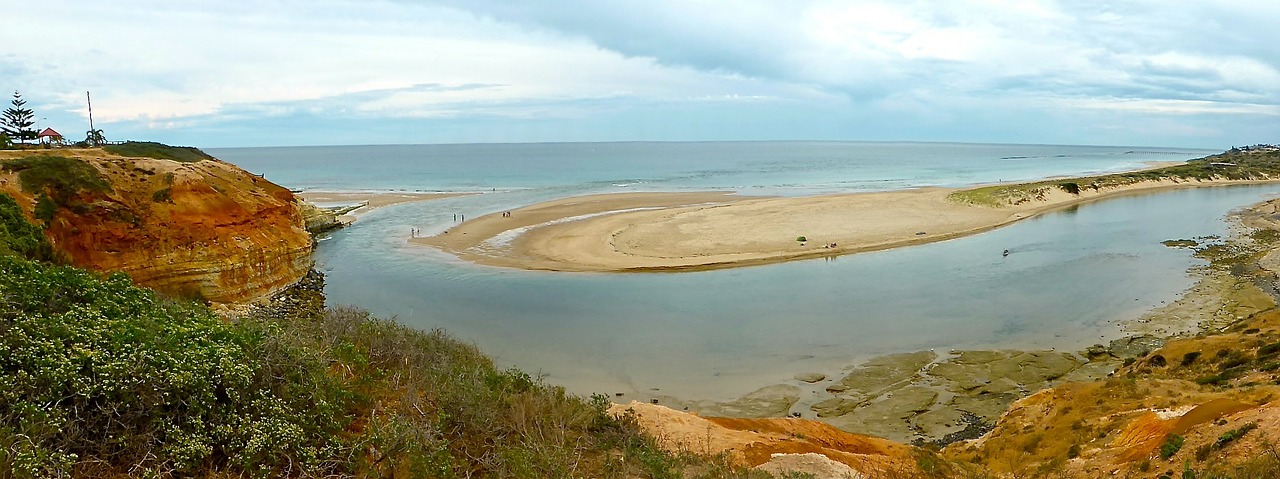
17 120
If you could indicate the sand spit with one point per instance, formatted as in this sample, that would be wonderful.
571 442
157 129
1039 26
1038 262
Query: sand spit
638 232
368 201
372 200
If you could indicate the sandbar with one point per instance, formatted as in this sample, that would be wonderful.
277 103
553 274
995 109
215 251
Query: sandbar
645 232
371 200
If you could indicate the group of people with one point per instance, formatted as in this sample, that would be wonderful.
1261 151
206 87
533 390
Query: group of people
414 232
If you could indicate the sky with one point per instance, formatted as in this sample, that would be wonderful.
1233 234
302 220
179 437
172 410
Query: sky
1202 73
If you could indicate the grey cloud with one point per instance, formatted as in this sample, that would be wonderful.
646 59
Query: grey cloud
751 40
673 34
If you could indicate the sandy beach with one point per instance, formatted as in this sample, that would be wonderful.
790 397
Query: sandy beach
636 232
371 200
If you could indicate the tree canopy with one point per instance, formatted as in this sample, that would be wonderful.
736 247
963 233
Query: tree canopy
17 120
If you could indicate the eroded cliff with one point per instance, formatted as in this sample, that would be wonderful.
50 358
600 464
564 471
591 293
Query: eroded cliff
198 228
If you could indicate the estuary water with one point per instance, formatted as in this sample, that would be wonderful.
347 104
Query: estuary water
1070 277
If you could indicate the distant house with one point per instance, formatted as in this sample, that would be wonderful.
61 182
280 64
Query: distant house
49 135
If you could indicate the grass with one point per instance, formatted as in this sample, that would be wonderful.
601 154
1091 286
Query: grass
150 149
56 181
62 177
1235 166
1264 464
100 378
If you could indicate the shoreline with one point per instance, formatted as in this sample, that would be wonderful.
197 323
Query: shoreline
367 200
940 396
675 232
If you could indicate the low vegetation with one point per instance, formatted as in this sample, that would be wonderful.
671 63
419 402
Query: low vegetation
151 149
99 378
56 181
18 237
61 176
1232 165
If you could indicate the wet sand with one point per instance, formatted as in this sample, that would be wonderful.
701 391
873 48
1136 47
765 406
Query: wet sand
934 395
371 200
638 232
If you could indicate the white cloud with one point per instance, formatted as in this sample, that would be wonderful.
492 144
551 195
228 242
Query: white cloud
168 63
177 64
1173 106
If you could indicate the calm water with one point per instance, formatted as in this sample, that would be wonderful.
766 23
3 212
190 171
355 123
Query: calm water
1070 277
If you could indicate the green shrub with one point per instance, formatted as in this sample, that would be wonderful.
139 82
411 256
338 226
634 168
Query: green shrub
150 149
1269 349
1230 436
163 195
62 176
18 236
1234 359
1190 358
96 369
1171 445
99 378
45 208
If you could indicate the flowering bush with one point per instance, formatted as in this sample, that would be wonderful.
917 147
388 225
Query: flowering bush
97 368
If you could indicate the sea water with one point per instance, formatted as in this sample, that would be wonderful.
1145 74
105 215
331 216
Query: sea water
1070 276
748 167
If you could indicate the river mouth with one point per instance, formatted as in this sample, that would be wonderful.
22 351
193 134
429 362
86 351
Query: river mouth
1070 278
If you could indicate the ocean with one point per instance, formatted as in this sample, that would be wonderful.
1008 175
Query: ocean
1070 277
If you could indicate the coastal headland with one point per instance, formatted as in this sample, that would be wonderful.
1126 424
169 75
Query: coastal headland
1202 401
655 232
172 218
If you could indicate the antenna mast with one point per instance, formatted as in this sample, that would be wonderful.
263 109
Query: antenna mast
90 101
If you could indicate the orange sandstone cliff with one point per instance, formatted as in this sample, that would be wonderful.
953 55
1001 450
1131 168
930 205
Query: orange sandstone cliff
201 229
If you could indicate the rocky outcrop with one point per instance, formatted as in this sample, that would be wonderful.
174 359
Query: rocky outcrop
779 446
199 229
318 220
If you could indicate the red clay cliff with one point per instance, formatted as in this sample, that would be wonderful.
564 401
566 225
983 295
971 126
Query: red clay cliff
197 229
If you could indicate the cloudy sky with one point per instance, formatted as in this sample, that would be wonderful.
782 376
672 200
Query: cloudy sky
1202 73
